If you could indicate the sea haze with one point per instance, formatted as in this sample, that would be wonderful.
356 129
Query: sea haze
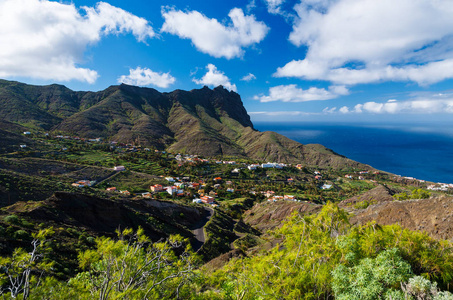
422 151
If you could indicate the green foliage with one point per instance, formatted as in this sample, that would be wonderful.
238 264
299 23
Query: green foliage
370 278
299 268
12 219
415 194
21 271
134 268
322 255
21 234
364 204
419 286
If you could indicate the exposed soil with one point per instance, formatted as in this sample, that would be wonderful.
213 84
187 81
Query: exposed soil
223 259
377 195
268 215
434 215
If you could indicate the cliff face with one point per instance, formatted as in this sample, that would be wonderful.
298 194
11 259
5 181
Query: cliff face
209 122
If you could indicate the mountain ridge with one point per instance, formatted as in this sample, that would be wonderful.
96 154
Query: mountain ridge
208 122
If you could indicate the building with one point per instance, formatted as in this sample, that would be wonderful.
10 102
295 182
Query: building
269 194
207 199
156 188
174 190
326 186
83 183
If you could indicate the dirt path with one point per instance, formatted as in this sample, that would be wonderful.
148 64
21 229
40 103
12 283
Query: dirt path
199 229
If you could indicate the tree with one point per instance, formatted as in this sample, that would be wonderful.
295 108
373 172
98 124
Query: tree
24 269
134 269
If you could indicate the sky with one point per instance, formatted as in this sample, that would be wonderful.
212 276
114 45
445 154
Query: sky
305 60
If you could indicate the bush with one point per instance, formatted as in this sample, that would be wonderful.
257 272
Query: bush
415 194
12 219
21 234
364 204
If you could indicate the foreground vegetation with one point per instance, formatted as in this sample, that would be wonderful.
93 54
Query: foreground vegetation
320 257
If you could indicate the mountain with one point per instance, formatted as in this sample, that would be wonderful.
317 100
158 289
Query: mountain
208 122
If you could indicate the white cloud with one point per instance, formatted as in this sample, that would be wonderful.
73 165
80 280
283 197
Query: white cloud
212 37
328 110
358 108
280 113
46 40
248 77
273 6
145 77
291 93
344 110
436 104
215 78
363 41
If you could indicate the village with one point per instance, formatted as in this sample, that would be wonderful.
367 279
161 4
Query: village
195 179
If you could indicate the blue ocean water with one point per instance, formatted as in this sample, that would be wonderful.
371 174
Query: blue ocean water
421 151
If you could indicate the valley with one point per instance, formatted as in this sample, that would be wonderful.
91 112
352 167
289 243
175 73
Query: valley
215 216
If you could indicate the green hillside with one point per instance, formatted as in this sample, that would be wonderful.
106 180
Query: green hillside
201 121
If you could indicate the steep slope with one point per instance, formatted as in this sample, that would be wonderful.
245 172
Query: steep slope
269 215
124 116
201 121
434 215
377 195
159 219
11 137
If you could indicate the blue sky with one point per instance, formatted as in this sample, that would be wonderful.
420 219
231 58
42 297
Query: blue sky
305 60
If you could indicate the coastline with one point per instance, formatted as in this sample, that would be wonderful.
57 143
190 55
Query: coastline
413 150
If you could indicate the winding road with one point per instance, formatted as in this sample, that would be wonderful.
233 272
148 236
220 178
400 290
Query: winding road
200 236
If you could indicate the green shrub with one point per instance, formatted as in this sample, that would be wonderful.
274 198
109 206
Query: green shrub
415 194
12 219
364 204
21 234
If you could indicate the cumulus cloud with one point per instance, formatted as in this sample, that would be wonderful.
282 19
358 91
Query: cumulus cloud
212 37
291 93
363 41
145 77
274 6
248 77
440 103
344 110
46 39
215 78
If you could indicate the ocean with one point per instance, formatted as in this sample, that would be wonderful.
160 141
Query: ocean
423 151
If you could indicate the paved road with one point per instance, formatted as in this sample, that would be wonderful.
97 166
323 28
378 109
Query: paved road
199 230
